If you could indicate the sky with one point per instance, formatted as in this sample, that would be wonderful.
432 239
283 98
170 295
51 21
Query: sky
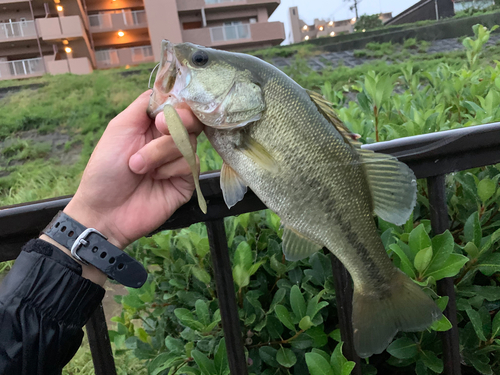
335 9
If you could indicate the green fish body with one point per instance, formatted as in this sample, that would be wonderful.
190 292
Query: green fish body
287 145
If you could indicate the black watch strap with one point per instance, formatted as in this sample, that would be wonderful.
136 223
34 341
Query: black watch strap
91 247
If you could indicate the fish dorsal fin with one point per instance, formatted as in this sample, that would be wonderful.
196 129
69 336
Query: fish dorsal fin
325 108
296 246
255 151
233 187
393 186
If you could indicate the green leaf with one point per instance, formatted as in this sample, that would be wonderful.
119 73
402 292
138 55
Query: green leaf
441 325
450 268
403 348
347 368
243 256
201 274
495 328
297 302
477 323
481 366
422 259
495 236
284 316
432 361
485 189
442 247
206 365
406 265
472 229
202 312
174 345
419 239
490 264
254 268
220 359
268 355
278 298
318 365
241 276
471 250
286 357
187 319
305 323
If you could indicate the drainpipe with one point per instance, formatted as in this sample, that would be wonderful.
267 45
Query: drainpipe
37 37
437 10
203 17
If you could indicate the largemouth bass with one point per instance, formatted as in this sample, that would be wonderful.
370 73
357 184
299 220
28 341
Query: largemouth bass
288 146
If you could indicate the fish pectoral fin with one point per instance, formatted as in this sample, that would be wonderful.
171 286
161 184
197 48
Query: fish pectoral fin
296 246
393 186
180 137
255 151
233 187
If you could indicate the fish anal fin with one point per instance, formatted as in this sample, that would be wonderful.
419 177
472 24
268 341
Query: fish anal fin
233 187
296 246
377 317
393 186
255 151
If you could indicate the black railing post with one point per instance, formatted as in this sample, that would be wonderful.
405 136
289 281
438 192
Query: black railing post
445 287
100 347
227 297
343 297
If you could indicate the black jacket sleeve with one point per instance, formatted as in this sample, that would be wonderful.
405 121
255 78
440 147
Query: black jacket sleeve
44 303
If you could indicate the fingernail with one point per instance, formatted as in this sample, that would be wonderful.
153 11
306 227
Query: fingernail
137 163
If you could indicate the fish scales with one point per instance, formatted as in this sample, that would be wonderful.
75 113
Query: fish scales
287 145
319 171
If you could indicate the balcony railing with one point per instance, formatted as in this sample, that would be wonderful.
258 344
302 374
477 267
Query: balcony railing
123 56
140 54
451 151
118 20
21 68
230 32
14 30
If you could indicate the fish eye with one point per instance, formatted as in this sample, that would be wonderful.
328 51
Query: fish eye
199 58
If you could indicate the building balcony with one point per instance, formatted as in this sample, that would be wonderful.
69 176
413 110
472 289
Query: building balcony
191 5
237 36
26 68
58 28
12 31
118 21
112 58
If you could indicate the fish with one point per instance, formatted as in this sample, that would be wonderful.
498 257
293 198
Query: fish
288 146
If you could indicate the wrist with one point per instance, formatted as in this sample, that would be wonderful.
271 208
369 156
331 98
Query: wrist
88 271
92 219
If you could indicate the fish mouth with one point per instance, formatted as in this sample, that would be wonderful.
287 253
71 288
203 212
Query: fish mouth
165 81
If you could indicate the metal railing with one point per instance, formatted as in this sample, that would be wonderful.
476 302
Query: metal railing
143 53
20 68
108 57
431 156
110 20
230 32
20 29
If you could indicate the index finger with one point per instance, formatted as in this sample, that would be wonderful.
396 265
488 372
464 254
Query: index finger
190 121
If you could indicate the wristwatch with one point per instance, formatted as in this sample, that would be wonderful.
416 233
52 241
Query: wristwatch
89 246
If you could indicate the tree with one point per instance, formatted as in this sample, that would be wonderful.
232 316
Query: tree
366 22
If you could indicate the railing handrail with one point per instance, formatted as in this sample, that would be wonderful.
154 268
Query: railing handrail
428 155
16 29
237 28
16 22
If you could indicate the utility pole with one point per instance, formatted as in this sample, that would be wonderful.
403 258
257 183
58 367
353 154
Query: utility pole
354 6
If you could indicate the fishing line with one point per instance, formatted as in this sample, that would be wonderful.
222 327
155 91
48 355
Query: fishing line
151 75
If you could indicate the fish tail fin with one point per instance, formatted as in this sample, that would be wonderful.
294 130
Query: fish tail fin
377 317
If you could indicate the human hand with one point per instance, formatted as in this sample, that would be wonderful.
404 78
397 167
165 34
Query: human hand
136 177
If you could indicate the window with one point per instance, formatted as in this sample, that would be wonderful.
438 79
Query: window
253 20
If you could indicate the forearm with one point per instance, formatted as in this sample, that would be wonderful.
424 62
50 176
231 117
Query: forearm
44 303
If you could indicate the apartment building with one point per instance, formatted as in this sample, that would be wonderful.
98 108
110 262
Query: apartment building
77 36
301 31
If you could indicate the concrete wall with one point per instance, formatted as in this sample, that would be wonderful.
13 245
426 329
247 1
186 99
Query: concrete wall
163 23
96 5
131 37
